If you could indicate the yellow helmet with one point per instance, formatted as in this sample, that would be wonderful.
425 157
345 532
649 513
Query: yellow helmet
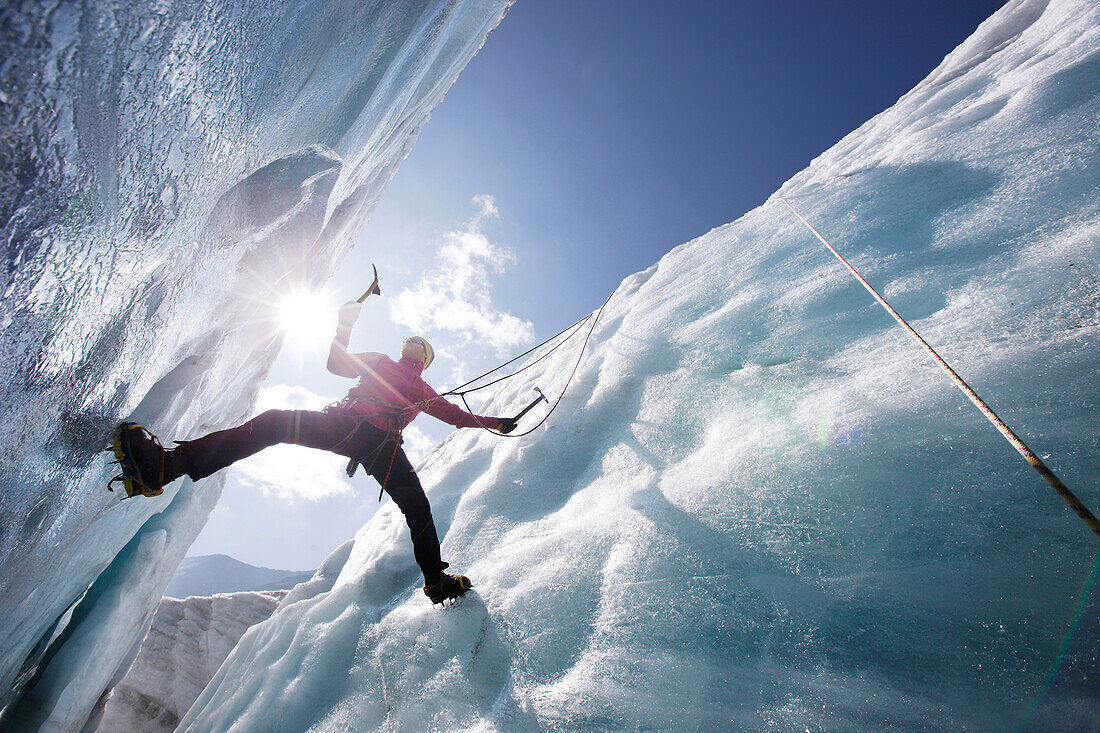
429 352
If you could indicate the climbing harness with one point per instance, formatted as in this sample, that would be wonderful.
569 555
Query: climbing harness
392 435
460 392
393 411
1070 498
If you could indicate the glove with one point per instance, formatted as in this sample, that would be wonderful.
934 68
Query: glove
349 312
507 424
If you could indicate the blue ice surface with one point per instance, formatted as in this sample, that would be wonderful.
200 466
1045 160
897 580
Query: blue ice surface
760 506
171 169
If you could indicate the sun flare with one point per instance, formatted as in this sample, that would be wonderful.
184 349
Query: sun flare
303 315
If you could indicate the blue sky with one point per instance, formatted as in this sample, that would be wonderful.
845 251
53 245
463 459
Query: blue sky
610 132
595 137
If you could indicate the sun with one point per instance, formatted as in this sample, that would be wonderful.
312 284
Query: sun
304 315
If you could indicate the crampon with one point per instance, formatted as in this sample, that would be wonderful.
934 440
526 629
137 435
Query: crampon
141 458
446 587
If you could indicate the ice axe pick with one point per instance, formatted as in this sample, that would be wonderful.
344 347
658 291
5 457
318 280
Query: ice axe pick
373 289
540 398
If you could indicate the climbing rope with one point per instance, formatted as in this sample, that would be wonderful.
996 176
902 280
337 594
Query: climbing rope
577 327
458 390
368 461
1070 498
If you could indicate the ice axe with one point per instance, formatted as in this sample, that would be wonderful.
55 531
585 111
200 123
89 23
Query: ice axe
373 289
540 398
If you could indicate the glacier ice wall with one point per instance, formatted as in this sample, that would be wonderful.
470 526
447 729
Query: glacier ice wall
760 506
188 640
190 636
166 171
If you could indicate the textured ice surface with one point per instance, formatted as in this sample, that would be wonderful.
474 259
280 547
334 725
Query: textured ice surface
760 506
187 642
166 171
190 638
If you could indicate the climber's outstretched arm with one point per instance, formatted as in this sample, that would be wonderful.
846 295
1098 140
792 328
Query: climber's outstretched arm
340 362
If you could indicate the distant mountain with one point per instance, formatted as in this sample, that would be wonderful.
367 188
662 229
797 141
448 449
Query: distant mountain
212 574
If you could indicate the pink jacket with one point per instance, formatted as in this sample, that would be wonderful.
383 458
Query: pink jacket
391 393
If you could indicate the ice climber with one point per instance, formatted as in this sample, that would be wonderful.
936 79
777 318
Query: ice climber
365 426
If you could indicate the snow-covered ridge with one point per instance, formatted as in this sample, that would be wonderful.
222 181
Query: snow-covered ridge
759 507
169 170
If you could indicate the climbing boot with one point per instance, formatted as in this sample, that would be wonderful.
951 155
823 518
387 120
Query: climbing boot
141 458
444 587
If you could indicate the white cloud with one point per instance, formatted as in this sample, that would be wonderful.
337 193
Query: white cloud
460 371
290 397
455 295
417 443
292 473
487 206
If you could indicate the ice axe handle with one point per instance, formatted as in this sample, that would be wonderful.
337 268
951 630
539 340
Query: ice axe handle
373 289
540 398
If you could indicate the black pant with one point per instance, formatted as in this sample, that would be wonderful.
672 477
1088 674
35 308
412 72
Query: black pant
338 432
